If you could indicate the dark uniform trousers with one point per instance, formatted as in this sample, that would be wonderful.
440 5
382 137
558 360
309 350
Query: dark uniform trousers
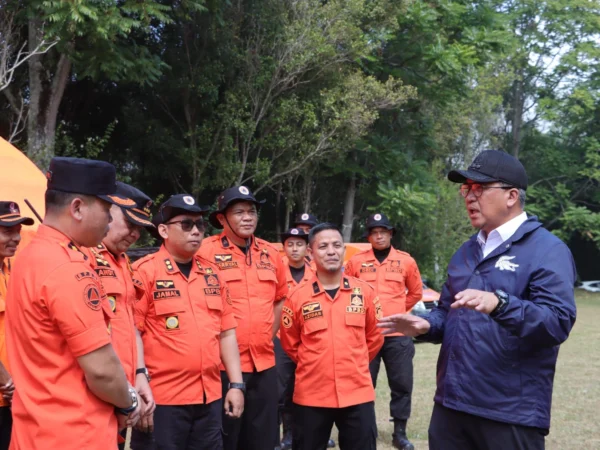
286 378
5 427
455 430
312 427
397 354
257 429
185 427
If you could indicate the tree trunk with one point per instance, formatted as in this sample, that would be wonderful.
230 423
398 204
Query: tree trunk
289 204
46 89
349 209
307 191
517 116
278 208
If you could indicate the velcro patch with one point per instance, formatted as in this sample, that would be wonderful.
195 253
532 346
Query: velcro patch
105 273
165 284
312 311
212 291
355 309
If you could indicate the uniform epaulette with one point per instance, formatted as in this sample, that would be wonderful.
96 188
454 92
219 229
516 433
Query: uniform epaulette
263 243
143 260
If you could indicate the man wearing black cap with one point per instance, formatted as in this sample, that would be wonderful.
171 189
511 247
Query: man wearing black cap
113 267
305 222
505 309
295 245
397 282
60 322
255 275
11 222
188 327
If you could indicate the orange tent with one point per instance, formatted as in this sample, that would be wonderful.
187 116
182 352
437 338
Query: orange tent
20 180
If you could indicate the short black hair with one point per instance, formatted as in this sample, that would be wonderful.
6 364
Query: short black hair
56 200
322 227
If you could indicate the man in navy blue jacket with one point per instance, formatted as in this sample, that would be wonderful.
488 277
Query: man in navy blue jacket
506 307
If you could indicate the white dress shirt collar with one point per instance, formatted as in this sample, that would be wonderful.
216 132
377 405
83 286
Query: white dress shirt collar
500 234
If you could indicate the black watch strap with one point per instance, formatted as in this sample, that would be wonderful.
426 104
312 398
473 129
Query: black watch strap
502 302
145 372
241 386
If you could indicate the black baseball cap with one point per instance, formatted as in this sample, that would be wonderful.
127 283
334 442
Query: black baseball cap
176 205
232 195
10 215
306 219
378 220
140 214
86 177
490 166
294 233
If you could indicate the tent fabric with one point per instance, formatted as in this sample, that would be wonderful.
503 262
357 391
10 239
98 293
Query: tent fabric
20 179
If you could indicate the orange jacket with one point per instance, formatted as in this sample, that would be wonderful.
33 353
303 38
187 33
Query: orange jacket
309 272
332 342
4 275
116 276
255 282
181 321
397 280
57 311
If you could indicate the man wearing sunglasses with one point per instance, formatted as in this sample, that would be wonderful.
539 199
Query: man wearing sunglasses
505 309
130 213
255 274
188 328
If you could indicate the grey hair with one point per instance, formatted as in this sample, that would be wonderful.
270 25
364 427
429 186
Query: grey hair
522 194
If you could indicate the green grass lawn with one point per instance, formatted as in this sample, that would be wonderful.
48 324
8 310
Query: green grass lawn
576 398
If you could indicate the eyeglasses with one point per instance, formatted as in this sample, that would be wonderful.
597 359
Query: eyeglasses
477 189
188 224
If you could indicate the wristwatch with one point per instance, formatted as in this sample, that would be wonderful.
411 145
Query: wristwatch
240 386
145 372
134 403
502 302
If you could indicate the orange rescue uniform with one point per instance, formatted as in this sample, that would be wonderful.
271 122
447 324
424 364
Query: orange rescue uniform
181 321
4 275
115 273
57 311
256 281
332 342
309 272
397 280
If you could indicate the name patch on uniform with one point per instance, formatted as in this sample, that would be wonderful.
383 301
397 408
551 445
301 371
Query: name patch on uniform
369 269
172 323
169 293
227 265
92 297
212 291
355 309
265 266
105 273
211 280
82 275
165 284
312 311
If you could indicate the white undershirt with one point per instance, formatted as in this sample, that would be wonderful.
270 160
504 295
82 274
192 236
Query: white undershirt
500 234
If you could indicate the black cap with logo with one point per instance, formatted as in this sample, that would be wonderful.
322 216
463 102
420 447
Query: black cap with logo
294 233
176 205
86 177
140 213
10 215
306 219
491 166
229 196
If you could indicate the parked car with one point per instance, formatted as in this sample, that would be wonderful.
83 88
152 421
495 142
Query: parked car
590 286
428 301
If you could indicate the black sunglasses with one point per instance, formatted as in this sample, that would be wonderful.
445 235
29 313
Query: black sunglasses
188 224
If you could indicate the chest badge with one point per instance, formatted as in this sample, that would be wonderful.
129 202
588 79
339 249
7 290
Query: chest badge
505 263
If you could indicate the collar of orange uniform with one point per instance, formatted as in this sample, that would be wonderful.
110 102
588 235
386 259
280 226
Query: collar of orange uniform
371 254
166 260
226 243
52 234
318 288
